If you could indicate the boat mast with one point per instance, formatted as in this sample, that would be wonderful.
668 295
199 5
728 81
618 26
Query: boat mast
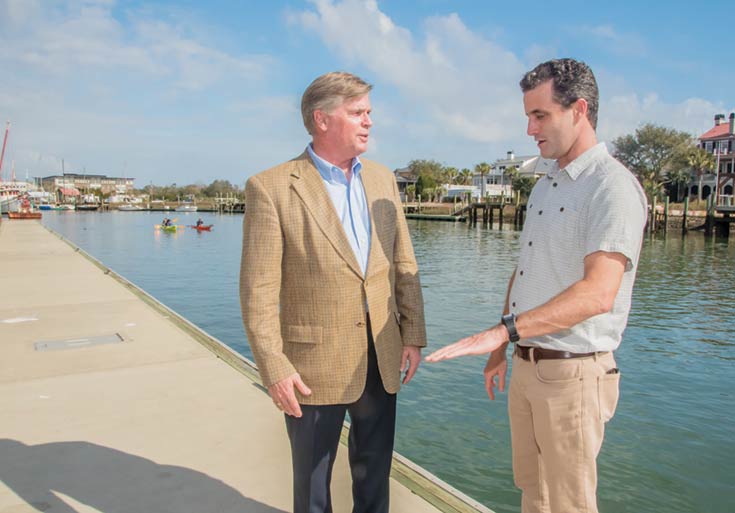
2 155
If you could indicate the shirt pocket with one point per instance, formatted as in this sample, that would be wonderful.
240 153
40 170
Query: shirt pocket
303 334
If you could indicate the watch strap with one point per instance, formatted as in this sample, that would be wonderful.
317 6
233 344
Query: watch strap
509 321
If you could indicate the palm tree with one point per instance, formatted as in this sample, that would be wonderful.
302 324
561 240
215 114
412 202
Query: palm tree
450 175
701 163
679 177
483 168
465 177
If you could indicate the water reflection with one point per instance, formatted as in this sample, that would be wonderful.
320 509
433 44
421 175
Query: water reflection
667 449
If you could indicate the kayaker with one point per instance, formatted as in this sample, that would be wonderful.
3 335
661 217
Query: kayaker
199 222
166 222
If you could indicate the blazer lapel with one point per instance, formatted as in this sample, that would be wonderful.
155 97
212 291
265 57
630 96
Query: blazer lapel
372 194
307 182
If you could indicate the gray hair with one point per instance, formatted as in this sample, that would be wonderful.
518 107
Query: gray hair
570 81
328 92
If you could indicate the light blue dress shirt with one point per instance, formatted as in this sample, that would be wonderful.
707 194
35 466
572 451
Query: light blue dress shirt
349 202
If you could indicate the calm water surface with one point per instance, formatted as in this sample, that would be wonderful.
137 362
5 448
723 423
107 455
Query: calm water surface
669 447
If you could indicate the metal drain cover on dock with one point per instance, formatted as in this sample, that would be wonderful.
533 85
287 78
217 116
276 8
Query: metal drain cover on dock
76 343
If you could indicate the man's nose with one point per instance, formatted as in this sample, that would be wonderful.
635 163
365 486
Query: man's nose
366 120
532 128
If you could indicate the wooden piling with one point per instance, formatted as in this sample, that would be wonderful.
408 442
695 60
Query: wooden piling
709 220
653 216
684 228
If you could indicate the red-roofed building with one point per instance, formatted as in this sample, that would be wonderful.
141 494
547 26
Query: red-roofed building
720 142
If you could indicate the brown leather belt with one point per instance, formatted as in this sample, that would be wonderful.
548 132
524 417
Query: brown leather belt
547 354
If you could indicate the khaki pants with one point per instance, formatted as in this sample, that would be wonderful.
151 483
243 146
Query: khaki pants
558 410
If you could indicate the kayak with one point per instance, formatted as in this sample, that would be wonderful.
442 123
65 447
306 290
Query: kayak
171 228
202 228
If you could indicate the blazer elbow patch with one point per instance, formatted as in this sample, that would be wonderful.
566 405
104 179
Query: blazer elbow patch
303 334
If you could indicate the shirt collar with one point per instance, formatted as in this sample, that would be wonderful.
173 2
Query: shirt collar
329 171
575 167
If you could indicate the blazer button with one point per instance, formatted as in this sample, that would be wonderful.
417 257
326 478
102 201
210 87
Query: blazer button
360 324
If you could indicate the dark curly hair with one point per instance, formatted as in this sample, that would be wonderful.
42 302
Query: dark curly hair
570 79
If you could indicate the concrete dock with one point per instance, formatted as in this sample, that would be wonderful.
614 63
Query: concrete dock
110 402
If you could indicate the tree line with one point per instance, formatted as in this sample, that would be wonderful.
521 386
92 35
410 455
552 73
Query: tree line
433 176
173 192
663 159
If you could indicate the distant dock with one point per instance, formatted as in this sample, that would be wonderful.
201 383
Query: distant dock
111 401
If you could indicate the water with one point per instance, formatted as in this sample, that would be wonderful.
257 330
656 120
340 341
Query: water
669 447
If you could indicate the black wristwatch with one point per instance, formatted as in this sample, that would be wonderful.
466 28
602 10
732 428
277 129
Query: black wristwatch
509 321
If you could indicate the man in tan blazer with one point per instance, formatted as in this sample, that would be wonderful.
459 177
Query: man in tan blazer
331 298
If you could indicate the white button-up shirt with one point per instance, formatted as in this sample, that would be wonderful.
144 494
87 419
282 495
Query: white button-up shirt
594 204
349 202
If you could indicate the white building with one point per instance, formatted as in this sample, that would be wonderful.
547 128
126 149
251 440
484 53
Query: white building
498 182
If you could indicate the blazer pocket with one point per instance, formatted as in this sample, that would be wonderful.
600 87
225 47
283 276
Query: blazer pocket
303 334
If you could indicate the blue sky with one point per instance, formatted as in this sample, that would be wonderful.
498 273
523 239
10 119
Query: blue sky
185 91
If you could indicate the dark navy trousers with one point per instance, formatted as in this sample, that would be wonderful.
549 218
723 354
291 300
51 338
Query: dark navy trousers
315 436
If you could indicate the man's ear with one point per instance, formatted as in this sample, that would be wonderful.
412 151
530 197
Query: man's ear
321 120
580 109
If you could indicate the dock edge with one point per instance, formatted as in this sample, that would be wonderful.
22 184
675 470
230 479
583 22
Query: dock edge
414 477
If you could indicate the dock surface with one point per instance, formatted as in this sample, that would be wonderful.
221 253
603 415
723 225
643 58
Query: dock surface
110 403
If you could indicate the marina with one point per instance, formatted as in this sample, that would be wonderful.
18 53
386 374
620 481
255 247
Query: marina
667 447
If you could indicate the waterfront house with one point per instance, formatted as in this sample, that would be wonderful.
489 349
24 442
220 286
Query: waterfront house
720 142
498 181
404 178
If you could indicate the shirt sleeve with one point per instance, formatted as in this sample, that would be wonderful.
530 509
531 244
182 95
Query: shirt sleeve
617 217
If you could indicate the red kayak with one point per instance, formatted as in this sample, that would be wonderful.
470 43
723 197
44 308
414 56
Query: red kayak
202 228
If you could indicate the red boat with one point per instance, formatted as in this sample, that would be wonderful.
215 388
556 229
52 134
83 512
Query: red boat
24 215
25 212
202 228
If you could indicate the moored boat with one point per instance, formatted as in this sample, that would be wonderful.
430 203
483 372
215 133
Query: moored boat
24 215
25 211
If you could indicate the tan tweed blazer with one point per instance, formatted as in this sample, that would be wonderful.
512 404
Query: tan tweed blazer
303 295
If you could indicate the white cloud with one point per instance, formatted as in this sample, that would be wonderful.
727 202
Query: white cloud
463 79
622 114
66 40
102 86
466 86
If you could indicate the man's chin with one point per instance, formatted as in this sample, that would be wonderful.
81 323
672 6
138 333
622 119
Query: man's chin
545 151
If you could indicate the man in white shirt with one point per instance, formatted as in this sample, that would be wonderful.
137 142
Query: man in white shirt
568 299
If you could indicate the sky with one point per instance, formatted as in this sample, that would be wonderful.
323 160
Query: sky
188 91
